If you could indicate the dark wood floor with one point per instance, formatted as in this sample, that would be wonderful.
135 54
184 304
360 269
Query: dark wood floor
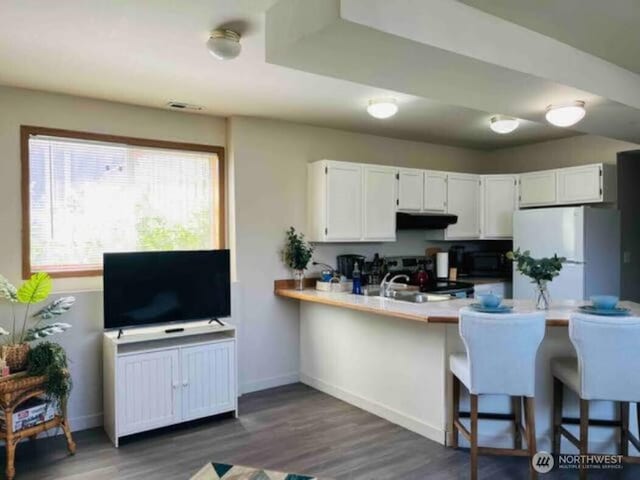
292 428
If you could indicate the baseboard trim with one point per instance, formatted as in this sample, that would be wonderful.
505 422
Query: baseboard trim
271 382
85 422
394 416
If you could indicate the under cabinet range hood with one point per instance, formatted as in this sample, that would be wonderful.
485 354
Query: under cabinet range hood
424 221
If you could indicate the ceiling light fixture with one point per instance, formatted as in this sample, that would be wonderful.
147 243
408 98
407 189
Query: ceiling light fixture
565 115
224 44
502 124
382 107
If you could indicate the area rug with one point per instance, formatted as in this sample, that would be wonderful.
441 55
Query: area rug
223 471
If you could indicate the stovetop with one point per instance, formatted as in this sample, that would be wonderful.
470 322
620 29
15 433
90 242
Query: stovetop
447 286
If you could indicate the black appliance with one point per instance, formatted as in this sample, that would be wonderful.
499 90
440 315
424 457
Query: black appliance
424 221
487 264
347 262
144 288
411 264
456 259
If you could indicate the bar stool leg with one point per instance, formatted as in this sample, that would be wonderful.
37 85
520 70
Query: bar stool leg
558 394
584 433
455 411
474 436
516 409
530 415
624 428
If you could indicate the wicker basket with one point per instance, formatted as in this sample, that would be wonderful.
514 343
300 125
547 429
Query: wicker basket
15 356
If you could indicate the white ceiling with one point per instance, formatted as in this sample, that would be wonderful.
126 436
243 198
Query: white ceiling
150 51
609 29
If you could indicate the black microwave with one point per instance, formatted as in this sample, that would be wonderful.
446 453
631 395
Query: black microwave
487 264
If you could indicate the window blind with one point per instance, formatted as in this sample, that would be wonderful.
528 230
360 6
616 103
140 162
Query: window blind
90 197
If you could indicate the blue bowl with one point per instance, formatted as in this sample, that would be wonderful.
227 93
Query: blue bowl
604 302
489 300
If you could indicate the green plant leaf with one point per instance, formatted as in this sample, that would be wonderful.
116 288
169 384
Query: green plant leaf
36 289
7 290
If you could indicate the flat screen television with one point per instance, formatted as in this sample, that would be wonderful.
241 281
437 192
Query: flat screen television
145 288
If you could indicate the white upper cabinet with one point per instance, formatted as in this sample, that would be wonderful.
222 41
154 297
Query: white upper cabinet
435 191
463 200
587 184
410 188
351 202
334 201
538 188
380 196
499 201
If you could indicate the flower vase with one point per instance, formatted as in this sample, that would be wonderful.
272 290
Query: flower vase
543 299
298 279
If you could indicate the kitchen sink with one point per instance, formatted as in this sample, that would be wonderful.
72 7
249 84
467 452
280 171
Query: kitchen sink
416 297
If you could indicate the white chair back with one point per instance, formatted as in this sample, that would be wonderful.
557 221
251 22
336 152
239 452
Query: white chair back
608 356
501 350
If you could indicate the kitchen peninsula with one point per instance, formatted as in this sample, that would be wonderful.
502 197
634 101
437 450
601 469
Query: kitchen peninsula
390 358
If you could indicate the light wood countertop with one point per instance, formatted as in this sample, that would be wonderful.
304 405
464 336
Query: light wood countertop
430 312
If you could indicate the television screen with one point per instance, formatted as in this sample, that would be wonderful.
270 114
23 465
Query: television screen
153 287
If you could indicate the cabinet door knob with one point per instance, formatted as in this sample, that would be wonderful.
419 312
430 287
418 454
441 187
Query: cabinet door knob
176 385
185 383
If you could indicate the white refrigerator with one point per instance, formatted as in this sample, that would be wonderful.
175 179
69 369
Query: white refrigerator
588 237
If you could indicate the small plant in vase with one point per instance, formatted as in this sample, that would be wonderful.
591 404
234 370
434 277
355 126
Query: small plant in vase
296 255
32 326
540 270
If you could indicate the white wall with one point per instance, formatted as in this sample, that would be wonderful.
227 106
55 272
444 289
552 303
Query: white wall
26 107
268 160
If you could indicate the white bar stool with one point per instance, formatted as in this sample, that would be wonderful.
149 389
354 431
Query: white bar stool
500 359
607 368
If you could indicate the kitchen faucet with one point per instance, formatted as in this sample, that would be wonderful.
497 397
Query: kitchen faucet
385 286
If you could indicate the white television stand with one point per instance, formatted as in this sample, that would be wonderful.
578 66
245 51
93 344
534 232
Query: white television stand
152 378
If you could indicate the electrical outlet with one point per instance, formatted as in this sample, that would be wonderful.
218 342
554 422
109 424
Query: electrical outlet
626 257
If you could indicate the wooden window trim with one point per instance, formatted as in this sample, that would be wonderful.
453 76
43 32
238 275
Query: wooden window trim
26 131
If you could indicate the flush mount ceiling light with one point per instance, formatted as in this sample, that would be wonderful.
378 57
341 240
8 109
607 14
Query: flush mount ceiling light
501 124
565 115
224 44
382 107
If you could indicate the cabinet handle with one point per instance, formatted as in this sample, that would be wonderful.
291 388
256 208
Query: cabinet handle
185 383
175 385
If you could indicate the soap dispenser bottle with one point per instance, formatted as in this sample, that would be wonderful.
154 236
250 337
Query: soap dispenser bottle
357 280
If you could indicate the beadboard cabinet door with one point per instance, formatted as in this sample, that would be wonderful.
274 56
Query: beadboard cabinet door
148 394
208 379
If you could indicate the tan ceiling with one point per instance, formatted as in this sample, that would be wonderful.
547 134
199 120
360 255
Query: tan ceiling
150 51
609 29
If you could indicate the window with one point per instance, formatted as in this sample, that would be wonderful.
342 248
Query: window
86 194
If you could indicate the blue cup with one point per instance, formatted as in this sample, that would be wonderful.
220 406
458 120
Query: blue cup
489 300
604 302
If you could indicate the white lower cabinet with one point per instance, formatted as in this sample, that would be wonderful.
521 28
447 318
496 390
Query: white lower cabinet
155 380
207 379
148 391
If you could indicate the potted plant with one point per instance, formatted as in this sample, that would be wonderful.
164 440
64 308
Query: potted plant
50 359
540 270
296 254
33 326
